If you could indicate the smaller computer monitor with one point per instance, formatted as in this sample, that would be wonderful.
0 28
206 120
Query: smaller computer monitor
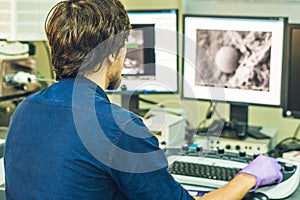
151 62
291 95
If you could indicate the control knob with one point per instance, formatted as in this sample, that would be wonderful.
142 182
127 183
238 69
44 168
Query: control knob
288 167
221 150
242 153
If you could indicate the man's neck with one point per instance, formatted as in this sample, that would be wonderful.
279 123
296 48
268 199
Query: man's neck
99 78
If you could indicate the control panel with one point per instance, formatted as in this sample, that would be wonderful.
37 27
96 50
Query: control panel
249 145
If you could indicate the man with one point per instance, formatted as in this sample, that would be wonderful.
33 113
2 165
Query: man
69 142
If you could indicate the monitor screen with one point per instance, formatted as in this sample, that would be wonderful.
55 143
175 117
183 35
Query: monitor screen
151 63
152 52
233 59
139 63
291 96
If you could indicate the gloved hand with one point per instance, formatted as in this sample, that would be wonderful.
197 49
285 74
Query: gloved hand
265 169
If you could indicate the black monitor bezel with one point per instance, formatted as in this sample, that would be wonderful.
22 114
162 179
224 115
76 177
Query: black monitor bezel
286 110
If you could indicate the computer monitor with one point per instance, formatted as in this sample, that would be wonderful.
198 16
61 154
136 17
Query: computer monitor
233 59
151 63
291 95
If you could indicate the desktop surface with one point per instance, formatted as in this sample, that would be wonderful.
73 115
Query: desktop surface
294 196
289 189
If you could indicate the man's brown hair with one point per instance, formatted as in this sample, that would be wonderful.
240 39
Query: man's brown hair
75 27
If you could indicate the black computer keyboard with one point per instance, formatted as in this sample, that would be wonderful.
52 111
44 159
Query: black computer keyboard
213 170
203 171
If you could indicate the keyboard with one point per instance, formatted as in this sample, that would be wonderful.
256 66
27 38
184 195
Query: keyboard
213 170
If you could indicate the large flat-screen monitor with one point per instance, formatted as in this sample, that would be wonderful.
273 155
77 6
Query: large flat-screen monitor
151 63
233 59
291 94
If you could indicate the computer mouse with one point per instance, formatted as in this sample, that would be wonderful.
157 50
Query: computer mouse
255 196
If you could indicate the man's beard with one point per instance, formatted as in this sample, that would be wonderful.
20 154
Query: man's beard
114 83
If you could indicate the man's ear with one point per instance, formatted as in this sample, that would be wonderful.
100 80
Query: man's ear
112 57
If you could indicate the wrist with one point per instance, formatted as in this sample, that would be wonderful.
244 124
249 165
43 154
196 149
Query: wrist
249 180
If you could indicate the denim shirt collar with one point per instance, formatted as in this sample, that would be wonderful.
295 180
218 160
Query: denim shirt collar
86 83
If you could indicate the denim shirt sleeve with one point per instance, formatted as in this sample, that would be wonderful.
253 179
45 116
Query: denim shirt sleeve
142 172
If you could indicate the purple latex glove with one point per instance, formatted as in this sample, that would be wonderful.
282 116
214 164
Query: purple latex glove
265 169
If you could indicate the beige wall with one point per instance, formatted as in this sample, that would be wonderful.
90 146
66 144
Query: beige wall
151 4
43 60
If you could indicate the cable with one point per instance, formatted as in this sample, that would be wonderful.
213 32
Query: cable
287 144
297 131
159 105
147 101
209 113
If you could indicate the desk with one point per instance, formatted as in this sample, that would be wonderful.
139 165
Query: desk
2 195
294 196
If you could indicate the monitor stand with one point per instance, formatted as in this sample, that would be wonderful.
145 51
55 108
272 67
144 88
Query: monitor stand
237 127
130 101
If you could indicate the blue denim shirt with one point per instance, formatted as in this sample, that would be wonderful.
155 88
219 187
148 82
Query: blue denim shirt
69 142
